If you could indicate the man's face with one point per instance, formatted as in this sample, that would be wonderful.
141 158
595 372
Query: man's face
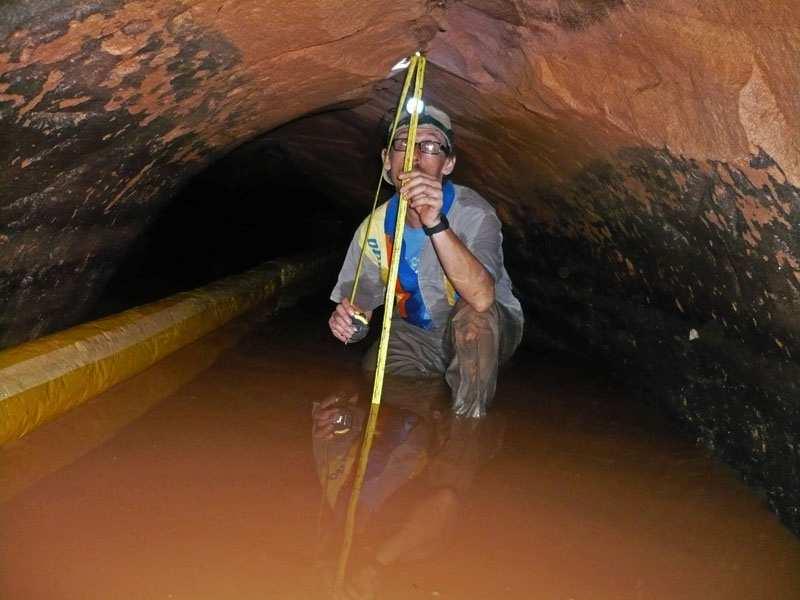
435 165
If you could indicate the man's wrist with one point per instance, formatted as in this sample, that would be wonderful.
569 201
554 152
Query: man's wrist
442 225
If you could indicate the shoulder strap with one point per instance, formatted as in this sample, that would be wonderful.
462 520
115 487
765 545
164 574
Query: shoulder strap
376 250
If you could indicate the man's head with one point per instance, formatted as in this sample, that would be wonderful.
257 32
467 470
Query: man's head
434 153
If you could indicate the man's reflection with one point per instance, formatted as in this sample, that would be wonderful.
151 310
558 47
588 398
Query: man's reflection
422 463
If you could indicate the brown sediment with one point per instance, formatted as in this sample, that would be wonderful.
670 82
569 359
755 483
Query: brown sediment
70 102
213 493
53 79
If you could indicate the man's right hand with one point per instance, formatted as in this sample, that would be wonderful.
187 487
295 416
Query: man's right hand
341 321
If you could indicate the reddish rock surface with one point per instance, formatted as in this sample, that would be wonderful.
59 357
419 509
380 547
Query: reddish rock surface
106 108
642 154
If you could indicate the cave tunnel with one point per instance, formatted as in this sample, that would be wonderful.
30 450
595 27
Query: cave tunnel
180 182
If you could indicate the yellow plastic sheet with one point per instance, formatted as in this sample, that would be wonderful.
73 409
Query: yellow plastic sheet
44 378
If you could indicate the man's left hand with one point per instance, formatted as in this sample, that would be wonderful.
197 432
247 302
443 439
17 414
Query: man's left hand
424 195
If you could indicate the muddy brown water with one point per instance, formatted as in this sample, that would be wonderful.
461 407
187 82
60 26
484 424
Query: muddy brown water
211 489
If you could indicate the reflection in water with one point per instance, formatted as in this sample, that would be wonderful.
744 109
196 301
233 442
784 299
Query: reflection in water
423 461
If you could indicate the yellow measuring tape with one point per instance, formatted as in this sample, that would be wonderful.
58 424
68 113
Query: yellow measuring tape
416 72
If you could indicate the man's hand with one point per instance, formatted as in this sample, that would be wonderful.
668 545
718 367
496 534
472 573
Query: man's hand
323 416
424 195
341 321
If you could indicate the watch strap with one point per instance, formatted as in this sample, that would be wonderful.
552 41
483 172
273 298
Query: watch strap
440 226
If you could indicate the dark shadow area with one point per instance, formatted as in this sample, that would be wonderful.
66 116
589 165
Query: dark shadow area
252 206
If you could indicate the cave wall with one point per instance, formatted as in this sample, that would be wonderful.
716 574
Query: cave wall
108 107
642 155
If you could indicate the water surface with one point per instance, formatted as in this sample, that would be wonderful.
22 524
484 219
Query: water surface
569 491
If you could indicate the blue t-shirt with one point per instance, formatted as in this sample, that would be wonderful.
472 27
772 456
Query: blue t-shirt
413 238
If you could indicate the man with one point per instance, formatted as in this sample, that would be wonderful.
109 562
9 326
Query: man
455 313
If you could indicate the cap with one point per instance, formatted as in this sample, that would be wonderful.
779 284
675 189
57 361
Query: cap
430 115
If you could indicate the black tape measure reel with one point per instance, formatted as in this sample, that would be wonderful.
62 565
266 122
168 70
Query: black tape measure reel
360 322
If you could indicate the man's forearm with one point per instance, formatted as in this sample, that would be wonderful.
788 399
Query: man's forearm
469 277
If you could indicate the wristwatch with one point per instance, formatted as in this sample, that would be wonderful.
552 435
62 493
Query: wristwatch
440 226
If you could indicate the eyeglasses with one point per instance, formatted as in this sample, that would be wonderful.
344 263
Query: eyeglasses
426 147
